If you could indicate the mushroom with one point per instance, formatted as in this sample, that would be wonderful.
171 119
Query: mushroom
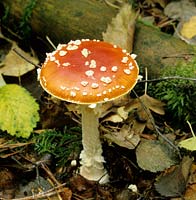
89 72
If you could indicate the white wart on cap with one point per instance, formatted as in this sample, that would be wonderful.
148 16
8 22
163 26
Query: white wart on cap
88 71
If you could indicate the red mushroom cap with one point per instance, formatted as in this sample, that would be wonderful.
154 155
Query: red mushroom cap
88 71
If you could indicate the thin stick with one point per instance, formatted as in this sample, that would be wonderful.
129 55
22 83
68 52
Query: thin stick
192 132
146 78
155 126
50 42
29 61
44 194
167 78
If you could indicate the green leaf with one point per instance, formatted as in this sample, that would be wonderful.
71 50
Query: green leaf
18 111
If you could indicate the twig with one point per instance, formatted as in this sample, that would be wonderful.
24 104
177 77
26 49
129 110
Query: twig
29 61
47 193
51 176
155 126
46 169
146 83
111 4
167 78
192 132
50 42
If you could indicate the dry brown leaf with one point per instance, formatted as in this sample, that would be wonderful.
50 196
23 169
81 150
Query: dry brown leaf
65 194
190 192
7 183
121 111
124 138
121 30
149 103
136 127
172 183
153 104
115 118
119 115
14 65
152 3
192 177
143 107
88 189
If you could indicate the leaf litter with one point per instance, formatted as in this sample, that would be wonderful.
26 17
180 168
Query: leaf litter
172 182
14 65
155 156
185 12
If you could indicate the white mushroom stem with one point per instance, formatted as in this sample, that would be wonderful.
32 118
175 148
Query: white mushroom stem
92 167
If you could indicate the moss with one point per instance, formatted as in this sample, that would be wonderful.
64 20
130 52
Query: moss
179 93
60 144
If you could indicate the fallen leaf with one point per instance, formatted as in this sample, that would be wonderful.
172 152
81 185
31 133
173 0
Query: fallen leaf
152 3
88 189
188 29
172 183
42 188
142 107
66 194
118 115
189 144
192 177
191 187
18 111
115 118
190 193
185 12
180 9
122 113
14 65
2 82
7 183
124 137
121 30
154 156
148 102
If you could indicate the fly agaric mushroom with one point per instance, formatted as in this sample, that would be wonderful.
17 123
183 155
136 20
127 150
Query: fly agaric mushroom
89 72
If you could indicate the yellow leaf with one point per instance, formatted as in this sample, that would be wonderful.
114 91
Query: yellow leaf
18 111
189 144
189 28
2 82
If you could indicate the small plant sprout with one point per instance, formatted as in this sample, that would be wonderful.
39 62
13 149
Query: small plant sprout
190 143
89 73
